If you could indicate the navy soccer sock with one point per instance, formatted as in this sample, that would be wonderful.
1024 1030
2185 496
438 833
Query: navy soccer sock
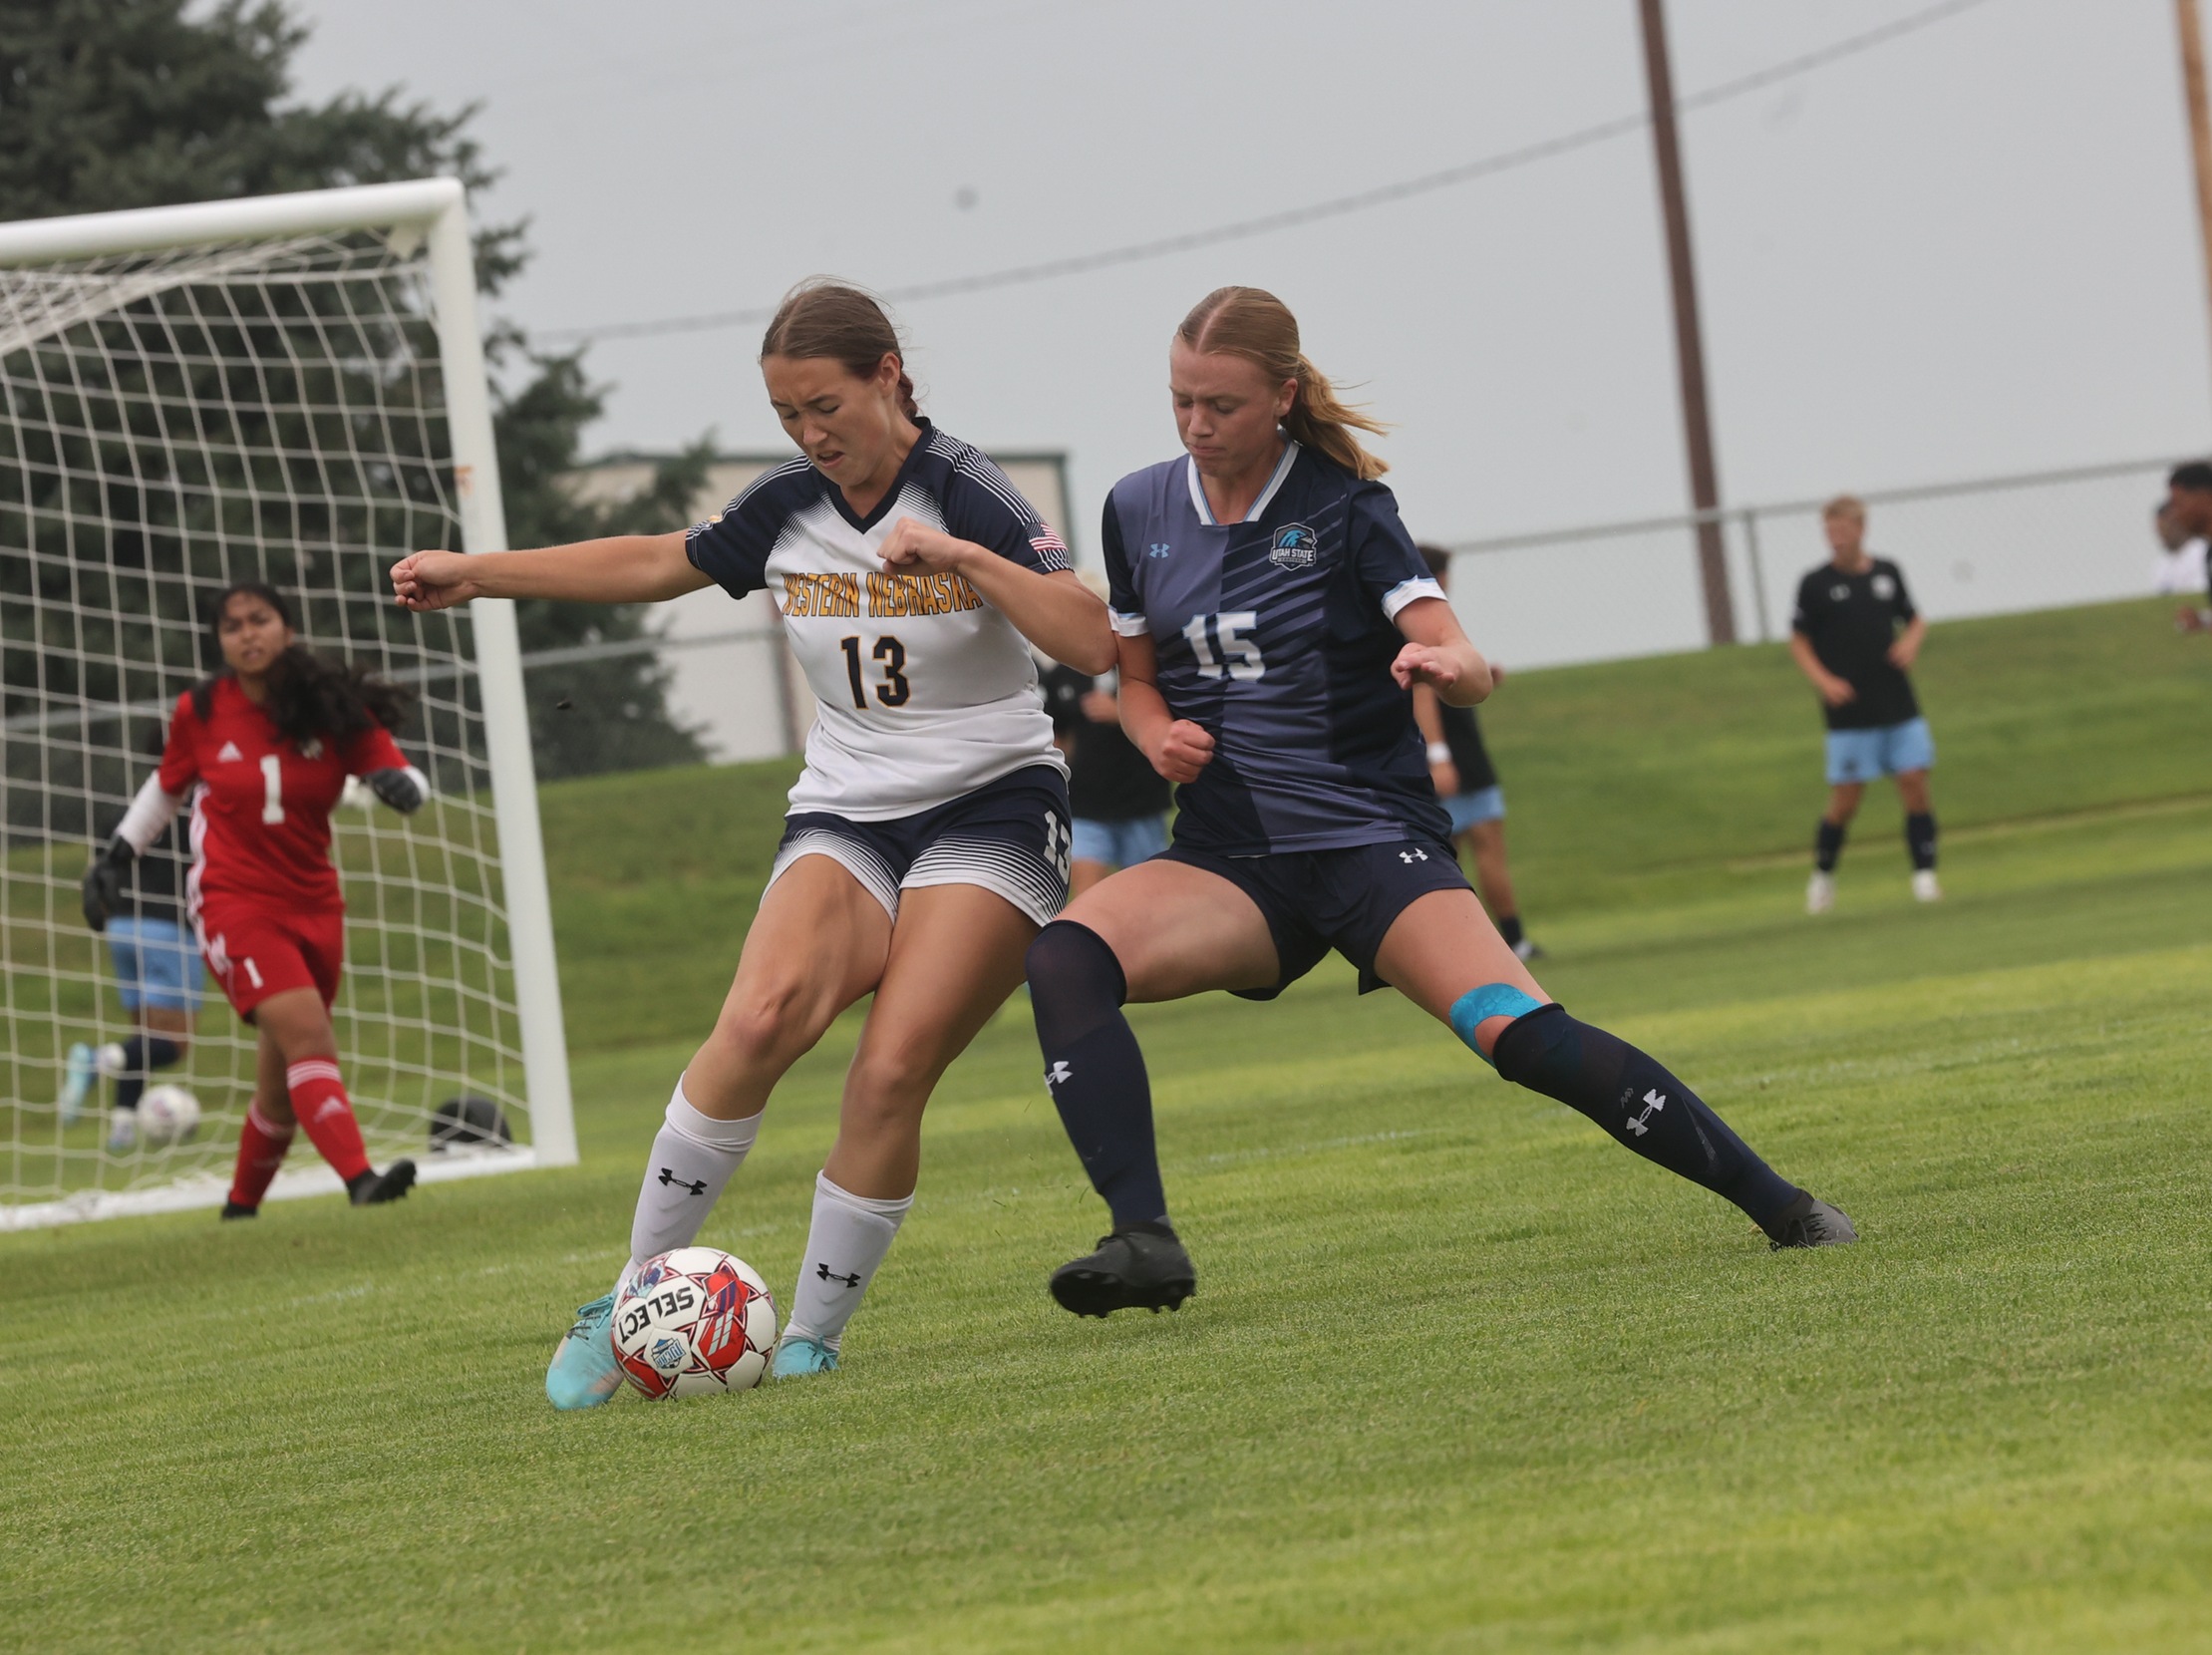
1094 1070
1641 1105
1828 846
142 1055
1510 927
1920 839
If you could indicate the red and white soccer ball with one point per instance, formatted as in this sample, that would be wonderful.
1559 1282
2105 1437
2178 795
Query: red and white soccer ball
691 1322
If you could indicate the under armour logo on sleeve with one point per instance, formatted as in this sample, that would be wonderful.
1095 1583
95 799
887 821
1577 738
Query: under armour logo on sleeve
1056 1073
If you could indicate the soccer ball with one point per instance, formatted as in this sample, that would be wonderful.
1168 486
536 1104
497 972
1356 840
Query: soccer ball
167 1115
691 1322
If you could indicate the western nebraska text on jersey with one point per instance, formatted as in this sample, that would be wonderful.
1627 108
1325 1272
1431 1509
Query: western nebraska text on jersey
888 594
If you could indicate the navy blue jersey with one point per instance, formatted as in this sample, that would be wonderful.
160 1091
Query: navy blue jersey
1275 634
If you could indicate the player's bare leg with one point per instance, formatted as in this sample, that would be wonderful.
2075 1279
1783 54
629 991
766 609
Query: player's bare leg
817 947
1158 931
1485 842
1835 822
1445 955
956 954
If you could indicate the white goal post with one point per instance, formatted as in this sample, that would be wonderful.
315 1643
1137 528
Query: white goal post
289 389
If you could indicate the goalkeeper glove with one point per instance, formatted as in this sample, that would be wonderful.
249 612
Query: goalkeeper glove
397 788
103 888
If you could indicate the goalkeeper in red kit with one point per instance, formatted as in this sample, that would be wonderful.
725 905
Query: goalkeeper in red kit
269 743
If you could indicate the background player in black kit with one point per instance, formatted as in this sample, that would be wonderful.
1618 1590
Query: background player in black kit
1273 618
1467 785
1119 800
1855 635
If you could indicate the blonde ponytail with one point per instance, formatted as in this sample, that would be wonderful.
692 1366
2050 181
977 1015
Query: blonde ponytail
1253 323
1319 419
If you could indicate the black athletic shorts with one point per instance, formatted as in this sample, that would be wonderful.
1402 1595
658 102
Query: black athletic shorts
1012 835
1316 900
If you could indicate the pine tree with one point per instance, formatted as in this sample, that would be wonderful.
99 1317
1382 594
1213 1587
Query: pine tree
109 104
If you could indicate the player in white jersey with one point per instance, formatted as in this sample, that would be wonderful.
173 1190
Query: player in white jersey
927 839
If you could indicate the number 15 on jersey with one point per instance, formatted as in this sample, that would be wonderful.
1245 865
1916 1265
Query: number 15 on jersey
1221 646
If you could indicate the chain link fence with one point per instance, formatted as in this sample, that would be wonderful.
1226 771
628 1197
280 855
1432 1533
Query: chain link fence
1605 591
1991 546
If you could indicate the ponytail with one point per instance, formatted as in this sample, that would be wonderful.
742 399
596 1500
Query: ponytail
1321 419
1254 324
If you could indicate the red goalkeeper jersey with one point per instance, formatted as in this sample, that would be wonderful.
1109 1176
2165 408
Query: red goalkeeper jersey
261 822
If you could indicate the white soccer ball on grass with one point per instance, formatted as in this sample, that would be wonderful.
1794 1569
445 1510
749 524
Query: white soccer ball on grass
167 1115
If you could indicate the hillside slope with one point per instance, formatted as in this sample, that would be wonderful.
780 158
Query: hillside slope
1631 783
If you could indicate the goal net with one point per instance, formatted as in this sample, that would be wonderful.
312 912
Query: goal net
288 390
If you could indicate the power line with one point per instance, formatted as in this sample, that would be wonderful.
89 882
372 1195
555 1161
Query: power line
1289 218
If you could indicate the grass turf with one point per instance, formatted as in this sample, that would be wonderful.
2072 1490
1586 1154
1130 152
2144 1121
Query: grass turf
1460 1374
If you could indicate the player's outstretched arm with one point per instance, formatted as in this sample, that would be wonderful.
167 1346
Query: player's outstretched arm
1437 653
624 568
1056 612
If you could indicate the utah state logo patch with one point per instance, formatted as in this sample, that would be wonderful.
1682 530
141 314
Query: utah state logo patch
1294 548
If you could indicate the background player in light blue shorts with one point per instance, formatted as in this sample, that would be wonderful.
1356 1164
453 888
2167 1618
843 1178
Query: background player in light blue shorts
1855 636
159 978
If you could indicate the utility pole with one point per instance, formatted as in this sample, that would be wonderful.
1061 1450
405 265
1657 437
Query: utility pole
2200 125
1697 421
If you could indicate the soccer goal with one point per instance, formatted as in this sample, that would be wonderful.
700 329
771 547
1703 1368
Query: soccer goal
289 389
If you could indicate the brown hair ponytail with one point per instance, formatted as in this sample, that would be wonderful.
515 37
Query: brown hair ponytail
1254 324
823 317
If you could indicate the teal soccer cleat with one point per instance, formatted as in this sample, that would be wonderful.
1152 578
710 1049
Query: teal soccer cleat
799 1356
583 1372
78 1070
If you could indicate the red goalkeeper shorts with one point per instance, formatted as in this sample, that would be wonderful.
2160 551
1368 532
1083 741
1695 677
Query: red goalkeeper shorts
255 953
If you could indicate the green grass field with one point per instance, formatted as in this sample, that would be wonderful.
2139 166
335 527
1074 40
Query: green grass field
1460 1374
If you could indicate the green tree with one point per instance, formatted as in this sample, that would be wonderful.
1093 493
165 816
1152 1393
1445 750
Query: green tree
108 104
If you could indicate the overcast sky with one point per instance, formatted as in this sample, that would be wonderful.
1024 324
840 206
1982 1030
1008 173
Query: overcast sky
1970 250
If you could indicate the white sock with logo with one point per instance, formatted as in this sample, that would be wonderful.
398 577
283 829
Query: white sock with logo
693 1158
844 1246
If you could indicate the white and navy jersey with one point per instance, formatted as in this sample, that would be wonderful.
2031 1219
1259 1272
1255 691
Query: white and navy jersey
1275 634
926 692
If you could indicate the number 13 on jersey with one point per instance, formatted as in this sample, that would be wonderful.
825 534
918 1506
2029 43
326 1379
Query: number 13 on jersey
894 690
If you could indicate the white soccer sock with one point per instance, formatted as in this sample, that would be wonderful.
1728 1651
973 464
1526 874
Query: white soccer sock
844 1248
693 1158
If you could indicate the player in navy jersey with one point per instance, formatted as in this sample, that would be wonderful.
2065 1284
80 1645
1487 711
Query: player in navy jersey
928 836
1274 615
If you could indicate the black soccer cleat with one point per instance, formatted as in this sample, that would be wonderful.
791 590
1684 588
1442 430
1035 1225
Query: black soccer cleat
1811 1223
1133 1269
234 1209
374 1188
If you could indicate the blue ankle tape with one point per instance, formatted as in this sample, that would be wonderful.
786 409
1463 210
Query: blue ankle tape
1479 1005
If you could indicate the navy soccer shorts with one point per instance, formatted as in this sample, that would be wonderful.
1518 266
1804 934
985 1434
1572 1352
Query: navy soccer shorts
1011 837
1316 900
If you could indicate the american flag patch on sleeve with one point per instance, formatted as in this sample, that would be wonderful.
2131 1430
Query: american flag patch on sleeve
1049 547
